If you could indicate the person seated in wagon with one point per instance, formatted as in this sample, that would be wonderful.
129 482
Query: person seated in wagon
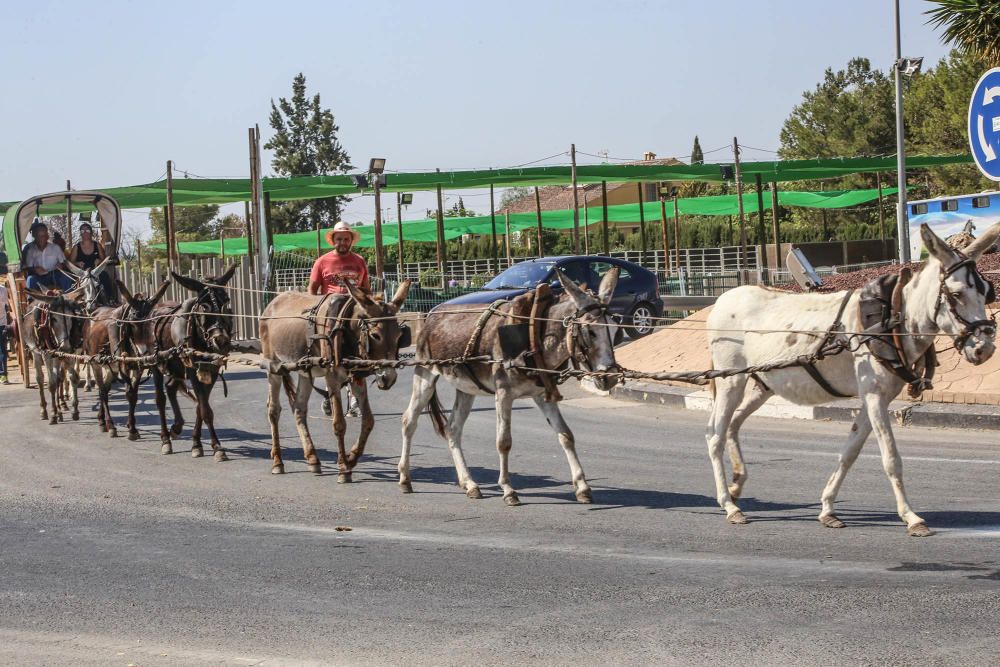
44 262
330 271
88 253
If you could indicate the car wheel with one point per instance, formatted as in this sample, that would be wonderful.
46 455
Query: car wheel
640 320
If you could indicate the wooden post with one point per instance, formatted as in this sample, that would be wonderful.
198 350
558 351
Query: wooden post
506 215
222 244
440 232
260 219
493 225
761 234
576 203
663 232
775 230
538 215
881 216
379 252
677 234
826 231
319 241
168 214
69 220
604 218
642 224
399 230
249 229
586 224
739 200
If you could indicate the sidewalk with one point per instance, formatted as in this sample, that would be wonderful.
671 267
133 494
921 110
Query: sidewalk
905 413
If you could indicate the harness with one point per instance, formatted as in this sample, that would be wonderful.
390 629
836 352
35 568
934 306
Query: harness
831 335
472 346
975 280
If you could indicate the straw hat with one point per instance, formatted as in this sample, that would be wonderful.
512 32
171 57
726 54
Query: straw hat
343 227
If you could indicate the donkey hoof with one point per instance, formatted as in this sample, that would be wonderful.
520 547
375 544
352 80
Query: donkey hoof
76 416
474 493
133 435
278 469
585 496
919 530
176 429
220 456
831 521
113 432
197 452
166 448
53 421
406 487
736 518
512 500
315 468
344 478
104 428
43 415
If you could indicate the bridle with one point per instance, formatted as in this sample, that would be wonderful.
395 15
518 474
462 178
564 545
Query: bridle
975 280
44 334
206 305
577 345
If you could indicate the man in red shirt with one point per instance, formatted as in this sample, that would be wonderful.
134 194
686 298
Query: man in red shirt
327 277
330 270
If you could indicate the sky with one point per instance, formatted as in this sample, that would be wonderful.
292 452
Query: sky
104 93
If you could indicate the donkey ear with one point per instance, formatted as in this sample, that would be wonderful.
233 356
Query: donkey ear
158 294
99 269
225 277
936 248
577 294
608 284
41 296
400 297
125 293
74 269
188 283
362 297
984 242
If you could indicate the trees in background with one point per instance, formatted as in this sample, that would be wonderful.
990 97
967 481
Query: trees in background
969 25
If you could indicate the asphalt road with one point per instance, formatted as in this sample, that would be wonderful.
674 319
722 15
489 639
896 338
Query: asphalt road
111 553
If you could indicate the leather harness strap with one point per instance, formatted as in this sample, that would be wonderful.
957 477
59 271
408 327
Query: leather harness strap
472 346
831 333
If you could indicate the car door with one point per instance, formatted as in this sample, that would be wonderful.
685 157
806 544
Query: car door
577 270
625 296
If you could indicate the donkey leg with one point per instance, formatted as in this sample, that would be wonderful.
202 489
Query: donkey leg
74 376
453 430
166 447
333 384
132 395
104 381
423 389
558 423
54 382
39 364
300 409
208 414
855 441
274 382
360 392
878 411
756 395
504 403
173 386
728 394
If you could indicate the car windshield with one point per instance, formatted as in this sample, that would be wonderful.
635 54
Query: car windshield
525 274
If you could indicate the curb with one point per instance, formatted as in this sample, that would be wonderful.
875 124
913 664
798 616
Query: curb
940 415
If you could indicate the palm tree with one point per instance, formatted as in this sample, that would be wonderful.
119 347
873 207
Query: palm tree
971 25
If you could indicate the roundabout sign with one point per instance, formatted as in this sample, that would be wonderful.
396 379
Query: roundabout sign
984 124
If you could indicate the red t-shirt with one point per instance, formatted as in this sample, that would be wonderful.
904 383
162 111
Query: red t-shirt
333 265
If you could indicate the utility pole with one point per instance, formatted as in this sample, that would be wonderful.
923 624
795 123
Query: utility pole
69 220
399 230
604 218
902 229
493 225
663 231
677 233
739 202
506 238
440 232
576 203
642 226
538 214
379 253
168 214
775 230
761 234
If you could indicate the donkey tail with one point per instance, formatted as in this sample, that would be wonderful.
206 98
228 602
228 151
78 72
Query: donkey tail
437 414
711 383
286 380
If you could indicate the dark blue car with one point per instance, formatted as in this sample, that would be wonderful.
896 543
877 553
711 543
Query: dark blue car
636 300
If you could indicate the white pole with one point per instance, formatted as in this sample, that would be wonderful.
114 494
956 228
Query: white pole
902 226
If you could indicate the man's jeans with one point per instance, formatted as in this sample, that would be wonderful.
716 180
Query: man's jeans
51 279
3 348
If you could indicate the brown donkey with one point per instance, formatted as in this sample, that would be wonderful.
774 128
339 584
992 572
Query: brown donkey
204 323
55 323
576 330
125 330
297 325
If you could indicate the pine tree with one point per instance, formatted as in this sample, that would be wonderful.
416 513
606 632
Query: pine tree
305 143
697 157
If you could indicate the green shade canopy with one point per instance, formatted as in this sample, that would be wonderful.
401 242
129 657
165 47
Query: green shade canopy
191 191
424 231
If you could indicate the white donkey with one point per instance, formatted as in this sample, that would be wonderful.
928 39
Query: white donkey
753 325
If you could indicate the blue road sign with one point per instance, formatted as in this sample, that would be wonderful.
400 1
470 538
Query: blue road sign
984 124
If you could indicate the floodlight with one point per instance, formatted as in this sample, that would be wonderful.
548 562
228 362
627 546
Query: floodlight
406 198
376 165
360 181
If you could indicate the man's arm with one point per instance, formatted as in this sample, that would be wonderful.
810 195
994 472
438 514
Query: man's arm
314 286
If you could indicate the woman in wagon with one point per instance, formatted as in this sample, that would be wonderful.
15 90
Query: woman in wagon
45 262
88 253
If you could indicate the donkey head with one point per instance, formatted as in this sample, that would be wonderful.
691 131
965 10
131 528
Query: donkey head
592 332
963 294
211 314
378 331
61 326
89 283
135 321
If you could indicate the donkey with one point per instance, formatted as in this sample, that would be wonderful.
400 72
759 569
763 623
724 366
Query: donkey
54 323
576 330
748 324
204 323
88 281
123 330
297 325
